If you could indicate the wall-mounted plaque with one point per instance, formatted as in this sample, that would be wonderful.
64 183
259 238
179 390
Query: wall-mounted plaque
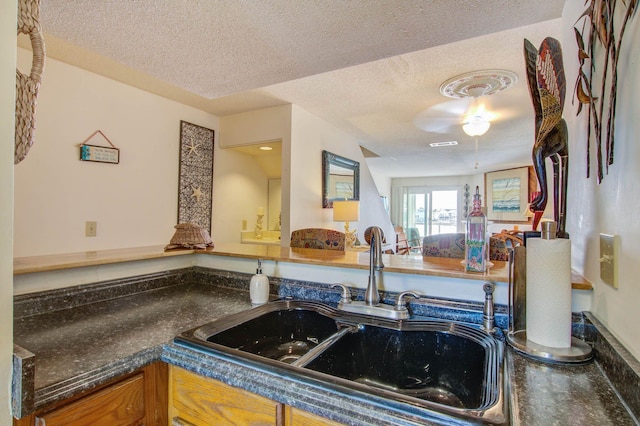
195 183
99 154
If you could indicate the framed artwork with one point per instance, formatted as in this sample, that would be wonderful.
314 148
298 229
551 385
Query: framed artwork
195 182
507 194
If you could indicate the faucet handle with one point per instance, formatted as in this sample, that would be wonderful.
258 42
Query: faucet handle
346 293
400 301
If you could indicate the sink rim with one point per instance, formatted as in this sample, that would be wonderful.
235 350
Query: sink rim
492 410
202 332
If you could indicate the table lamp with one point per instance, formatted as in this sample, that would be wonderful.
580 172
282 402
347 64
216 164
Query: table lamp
347 211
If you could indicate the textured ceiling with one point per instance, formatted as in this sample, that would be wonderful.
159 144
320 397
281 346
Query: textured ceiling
370 67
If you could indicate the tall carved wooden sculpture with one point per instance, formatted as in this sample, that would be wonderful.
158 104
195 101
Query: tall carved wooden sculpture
545 75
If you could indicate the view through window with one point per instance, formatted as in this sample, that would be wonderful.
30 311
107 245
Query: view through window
430 212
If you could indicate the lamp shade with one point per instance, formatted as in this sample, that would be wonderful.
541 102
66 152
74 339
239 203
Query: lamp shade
346 211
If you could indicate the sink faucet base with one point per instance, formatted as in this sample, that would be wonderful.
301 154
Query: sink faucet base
379 310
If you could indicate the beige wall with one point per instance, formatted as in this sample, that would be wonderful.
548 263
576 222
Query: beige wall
611 206
249 128
134 202
303 137
460 181
309 136
8 13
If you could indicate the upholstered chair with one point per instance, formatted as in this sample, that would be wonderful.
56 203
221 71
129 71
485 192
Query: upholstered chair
318 238
452 245
444 245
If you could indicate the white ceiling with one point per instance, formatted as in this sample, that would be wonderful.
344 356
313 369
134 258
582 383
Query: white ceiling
370 67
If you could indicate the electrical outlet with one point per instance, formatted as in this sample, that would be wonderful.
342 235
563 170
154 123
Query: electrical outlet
90 229
609 259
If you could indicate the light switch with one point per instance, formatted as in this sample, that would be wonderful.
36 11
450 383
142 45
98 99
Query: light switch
609 259
90 229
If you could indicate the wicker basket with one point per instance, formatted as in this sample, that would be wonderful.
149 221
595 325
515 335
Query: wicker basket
27 86
190 236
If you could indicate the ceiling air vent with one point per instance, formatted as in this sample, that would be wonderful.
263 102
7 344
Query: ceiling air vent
448 143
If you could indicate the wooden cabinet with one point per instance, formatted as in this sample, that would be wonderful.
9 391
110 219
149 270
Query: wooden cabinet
137 399
201 401
297 417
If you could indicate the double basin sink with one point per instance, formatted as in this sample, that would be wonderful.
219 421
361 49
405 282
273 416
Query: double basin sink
437 365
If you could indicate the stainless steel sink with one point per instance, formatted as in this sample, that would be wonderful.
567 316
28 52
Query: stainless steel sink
440 365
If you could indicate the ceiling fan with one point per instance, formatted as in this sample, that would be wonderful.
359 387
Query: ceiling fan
470 109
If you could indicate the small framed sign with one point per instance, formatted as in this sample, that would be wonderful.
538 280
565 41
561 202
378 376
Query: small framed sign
99 154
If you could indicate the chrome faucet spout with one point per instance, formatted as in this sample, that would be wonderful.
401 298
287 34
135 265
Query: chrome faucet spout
373 235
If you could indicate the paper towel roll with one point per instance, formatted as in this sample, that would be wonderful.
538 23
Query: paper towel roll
549 292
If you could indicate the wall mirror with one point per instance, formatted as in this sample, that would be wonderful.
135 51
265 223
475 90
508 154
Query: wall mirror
340 179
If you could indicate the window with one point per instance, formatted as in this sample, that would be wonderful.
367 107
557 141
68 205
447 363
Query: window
428 210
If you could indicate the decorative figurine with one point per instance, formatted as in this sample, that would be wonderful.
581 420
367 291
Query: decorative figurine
260 217
547 86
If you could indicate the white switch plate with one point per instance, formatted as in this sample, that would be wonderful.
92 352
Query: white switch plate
609 259
90 229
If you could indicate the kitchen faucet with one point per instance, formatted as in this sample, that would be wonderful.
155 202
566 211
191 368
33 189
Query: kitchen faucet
373 236
371 304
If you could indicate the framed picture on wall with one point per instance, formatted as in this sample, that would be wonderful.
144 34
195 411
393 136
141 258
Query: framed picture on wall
507 194
195 182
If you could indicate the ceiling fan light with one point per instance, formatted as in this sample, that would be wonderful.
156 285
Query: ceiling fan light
476 126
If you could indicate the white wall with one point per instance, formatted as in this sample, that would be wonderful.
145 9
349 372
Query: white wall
8 14
303 137
250 128
240 186
309 136
383 183
134 202
611 206
472 181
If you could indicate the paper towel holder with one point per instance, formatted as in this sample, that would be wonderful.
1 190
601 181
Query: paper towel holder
578 353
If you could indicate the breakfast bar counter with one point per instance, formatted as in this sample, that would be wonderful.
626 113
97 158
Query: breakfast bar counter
411 264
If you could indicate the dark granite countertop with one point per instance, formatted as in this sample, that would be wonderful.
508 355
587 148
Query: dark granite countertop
82 346
71 342
546 394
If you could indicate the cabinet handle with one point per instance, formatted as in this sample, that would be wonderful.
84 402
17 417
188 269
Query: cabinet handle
40 421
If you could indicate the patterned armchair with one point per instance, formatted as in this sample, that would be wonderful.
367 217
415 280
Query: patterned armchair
318 238
443 245
452 245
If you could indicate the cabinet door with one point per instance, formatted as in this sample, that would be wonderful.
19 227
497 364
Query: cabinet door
138 399
202 401
297 417
121 404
